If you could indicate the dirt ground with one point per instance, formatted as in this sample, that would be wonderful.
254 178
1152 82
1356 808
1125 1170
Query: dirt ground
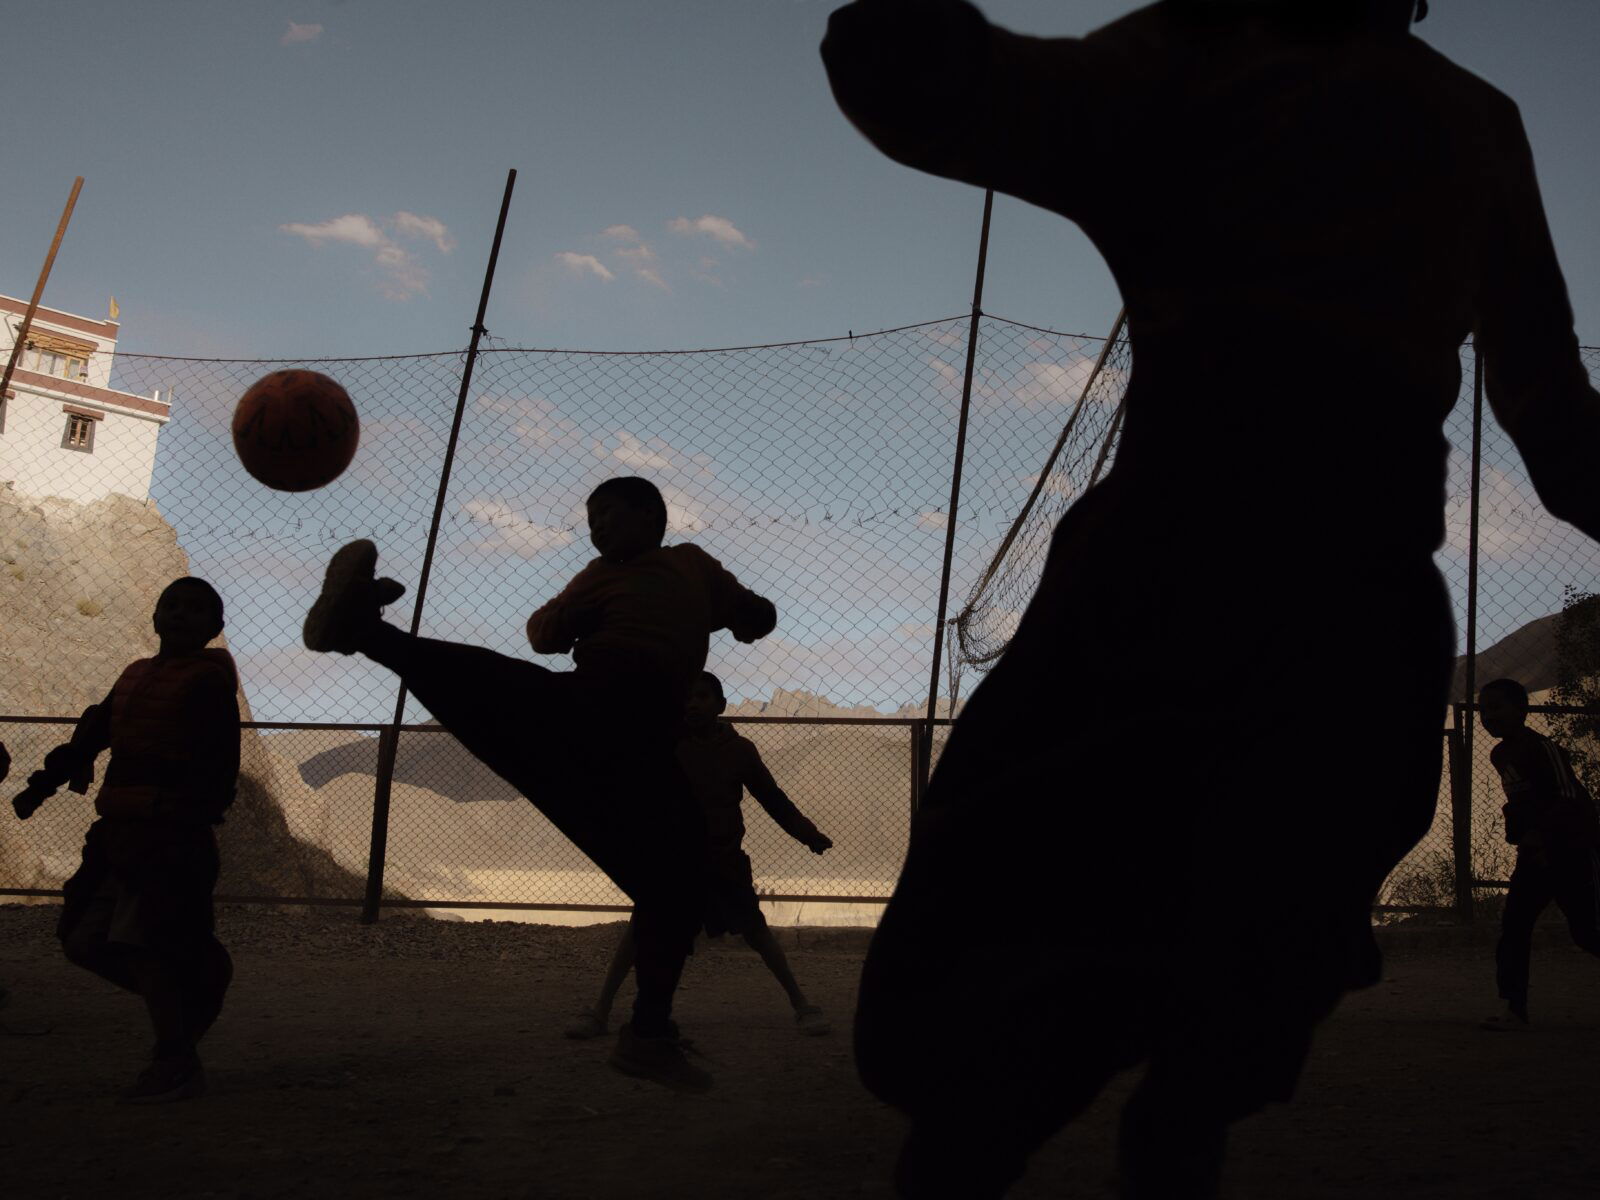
424 1058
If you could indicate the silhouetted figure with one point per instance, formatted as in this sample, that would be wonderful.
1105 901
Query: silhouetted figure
721 765
1551 820
591 748
138 911
1307 210
5 769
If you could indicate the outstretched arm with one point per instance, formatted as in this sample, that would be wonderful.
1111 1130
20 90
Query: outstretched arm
760 784
936 87
1534 377
71 763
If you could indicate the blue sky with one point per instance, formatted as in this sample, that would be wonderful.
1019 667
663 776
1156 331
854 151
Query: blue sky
321 179
204 128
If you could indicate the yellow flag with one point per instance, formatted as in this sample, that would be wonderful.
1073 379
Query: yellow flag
115 311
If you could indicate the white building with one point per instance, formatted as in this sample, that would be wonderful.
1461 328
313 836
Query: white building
63 430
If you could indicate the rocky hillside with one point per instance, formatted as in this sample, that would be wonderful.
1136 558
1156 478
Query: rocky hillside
78 584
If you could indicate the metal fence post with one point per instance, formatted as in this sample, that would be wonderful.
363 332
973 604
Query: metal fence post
1460 815
925 763
389 740
1467 706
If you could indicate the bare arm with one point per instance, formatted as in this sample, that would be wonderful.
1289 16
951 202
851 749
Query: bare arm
758 781
1534 377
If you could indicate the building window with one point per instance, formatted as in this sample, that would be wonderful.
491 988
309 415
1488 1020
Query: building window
79 433
58 356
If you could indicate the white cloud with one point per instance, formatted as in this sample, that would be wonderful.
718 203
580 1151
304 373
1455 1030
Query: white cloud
1051 383
950 374
1512 520
403 276
683 514
622 233
652 277
919 631
534 420
636 254
429 227
631 452
512 532
931 520
1057 485
720 228
811 281
300 34
356 228
578 264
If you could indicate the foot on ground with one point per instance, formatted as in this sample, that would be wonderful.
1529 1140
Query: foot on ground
809 1020
589 1025
659 1059
167 1080
1504 1022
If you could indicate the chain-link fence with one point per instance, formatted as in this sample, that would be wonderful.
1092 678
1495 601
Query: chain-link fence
818 472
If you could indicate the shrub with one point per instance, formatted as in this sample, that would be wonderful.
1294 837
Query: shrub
91 608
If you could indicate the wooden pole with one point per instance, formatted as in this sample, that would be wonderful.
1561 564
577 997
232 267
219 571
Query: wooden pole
38 288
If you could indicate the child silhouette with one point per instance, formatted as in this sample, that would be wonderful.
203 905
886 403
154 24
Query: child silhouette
138 911
1297 170
591 748
722 766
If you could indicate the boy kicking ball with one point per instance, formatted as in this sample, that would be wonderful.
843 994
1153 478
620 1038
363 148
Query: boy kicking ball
138 911
591 748
1551 820
721 766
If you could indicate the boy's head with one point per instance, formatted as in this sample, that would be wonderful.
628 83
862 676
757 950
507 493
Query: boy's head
1503 706
706 701
188 615
627 517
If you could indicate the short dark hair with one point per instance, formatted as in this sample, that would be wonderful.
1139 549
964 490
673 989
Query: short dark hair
716 684
637 493
195 583
1510 689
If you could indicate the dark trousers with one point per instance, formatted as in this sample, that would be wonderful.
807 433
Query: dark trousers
1187 884
138 914
1569 875
595 756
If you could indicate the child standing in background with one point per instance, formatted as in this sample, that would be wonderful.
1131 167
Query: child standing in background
721 765
138 912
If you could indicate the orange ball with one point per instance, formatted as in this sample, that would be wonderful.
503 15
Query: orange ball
295 430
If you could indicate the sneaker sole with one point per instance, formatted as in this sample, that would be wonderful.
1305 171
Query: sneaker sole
350 564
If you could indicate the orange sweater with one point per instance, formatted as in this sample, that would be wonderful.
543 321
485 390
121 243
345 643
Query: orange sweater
653 615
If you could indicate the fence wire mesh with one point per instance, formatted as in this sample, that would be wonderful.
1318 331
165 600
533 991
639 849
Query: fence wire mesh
818 472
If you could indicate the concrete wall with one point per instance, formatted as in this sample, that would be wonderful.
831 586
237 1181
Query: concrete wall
33 459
